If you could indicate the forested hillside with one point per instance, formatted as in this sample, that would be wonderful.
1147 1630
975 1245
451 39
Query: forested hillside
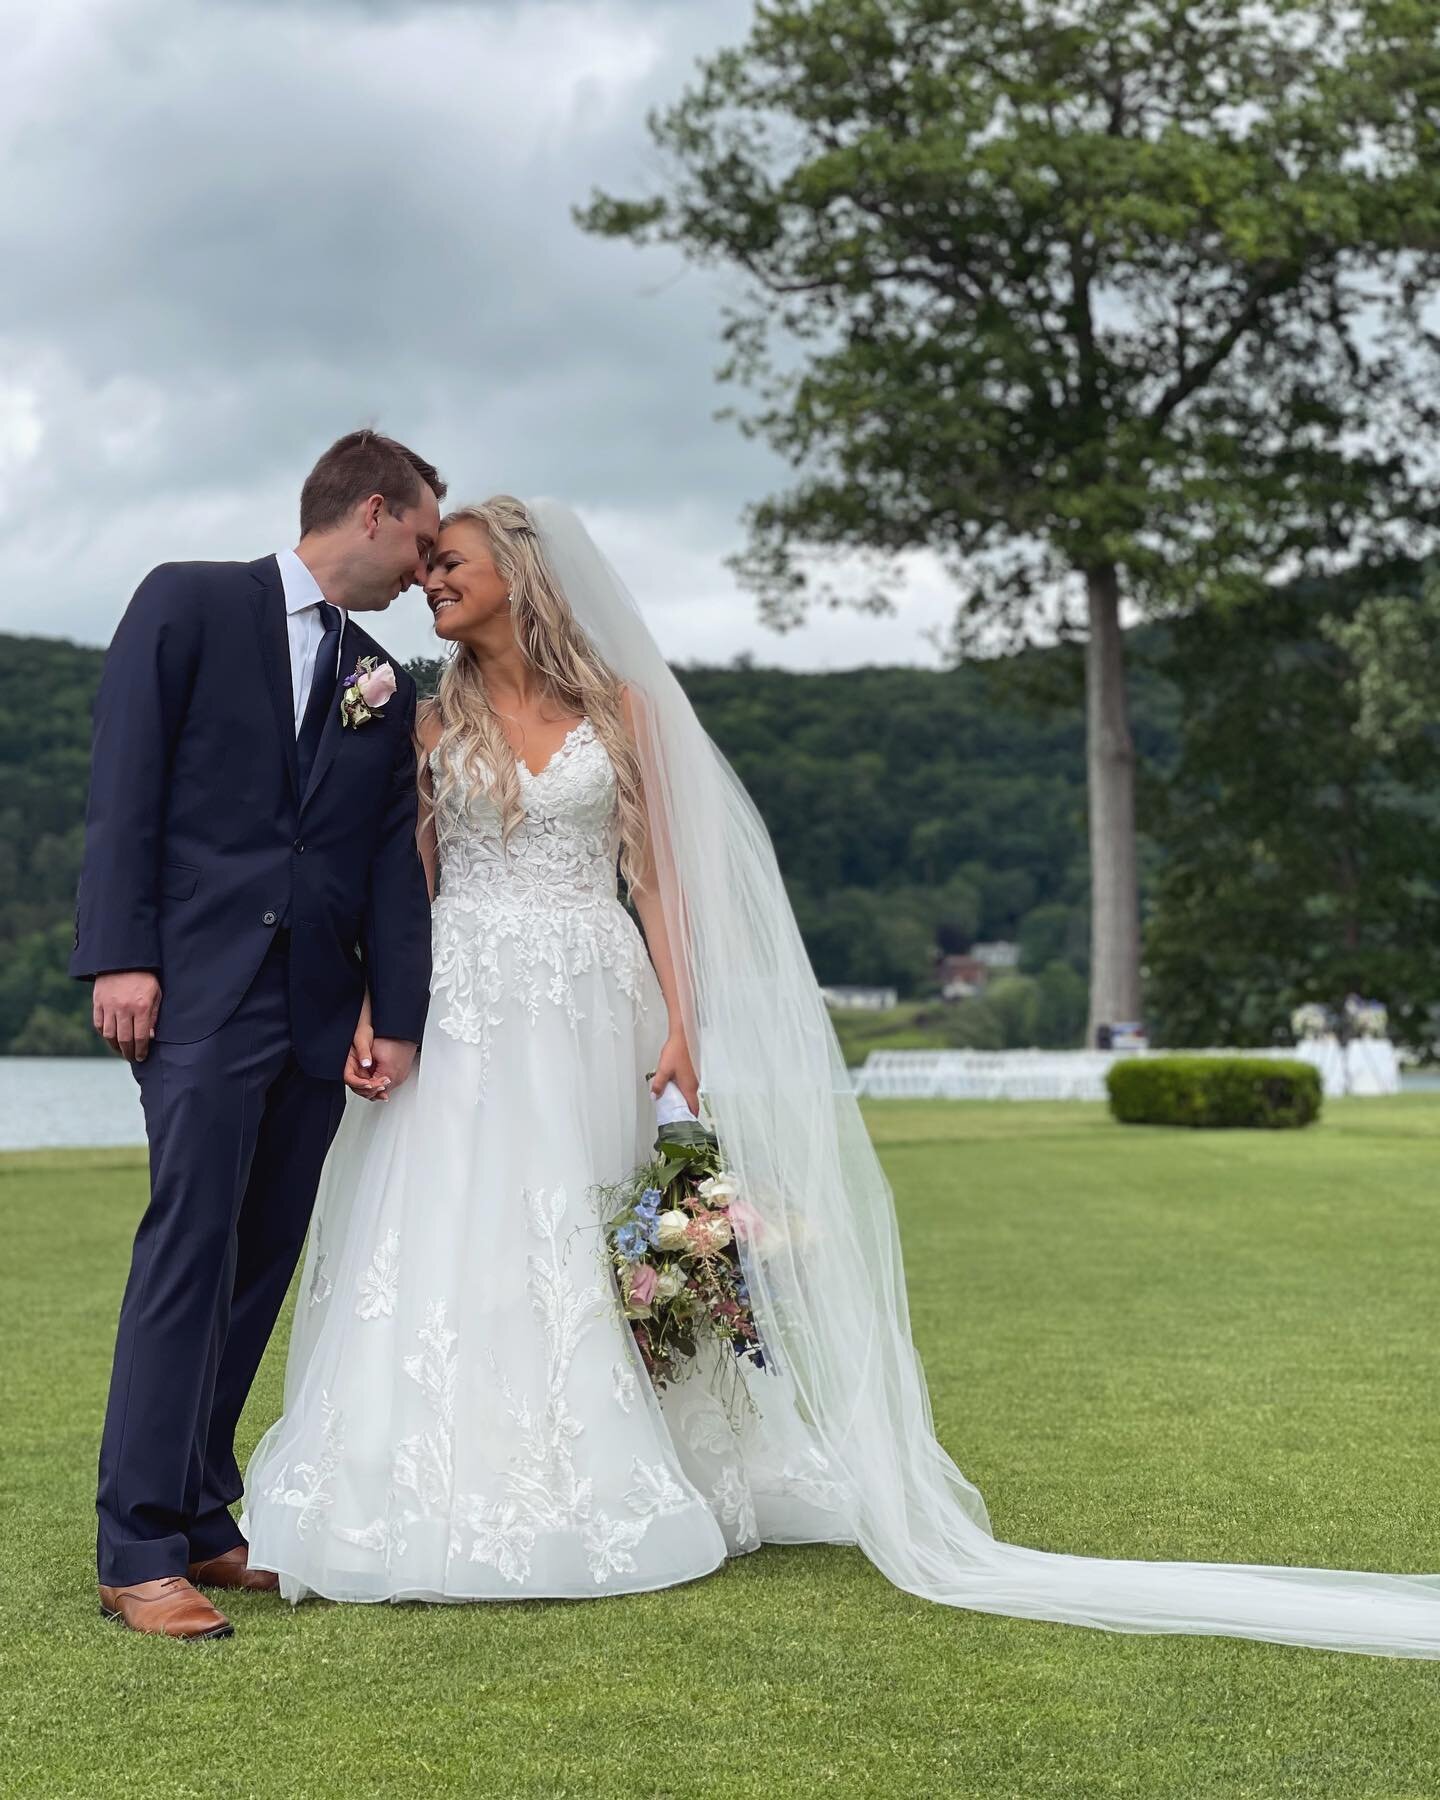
46 688
913 811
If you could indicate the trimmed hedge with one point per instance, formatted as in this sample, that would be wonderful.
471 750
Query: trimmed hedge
1214 1091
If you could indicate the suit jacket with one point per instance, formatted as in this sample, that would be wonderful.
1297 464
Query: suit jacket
199 845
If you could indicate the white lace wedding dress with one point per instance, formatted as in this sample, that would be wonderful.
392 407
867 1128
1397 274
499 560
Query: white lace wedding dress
466 1415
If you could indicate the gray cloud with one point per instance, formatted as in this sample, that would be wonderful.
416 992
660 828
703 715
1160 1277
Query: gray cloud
241 229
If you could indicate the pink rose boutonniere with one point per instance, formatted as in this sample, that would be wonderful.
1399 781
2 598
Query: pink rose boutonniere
365 692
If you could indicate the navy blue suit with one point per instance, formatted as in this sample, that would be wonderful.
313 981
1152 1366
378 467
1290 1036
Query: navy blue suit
265 912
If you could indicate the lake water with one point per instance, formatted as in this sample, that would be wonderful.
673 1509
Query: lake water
71 1102
82 1102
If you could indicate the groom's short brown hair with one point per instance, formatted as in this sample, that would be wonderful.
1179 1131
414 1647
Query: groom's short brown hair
357 465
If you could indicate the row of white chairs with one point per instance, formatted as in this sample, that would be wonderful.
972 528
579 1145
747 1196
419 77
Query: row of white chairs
1366 1066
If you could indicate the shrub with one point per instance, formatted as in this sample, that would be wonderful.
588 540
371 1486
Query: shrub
1214 1091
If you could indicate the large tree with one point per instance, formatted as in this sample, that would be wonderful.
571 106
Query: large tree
1112 303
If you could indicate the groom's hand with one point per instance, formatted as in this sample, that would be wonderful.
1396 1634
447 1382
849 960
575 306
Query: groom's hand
361 1076
124 1007
393 1059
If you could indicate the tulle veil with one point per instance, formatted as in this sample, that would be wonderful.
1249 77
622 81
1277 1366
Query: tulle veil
829 1289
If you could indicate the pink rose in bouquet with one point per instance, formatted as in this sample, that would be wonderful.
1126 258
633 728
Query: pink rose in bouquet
746 1223
642 1280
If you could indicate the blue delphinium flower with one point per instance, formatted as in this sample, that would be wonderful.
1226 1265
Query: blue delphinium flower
647 1210
631 1241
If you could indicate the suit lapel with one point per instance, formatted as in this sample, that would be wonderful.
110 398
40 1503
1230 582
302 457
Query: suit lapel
351 650
275 654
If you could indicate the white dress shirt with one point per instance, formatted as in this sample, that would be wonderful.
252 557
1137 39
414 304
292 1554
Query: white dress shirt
303 623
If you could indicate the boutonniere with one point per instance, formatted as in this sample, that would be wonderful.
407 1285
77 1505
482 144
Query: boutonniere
366 691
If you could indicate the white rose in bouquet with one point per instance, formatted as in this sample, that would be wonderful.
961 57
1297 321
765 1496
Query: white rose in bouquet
669 1284
670 1229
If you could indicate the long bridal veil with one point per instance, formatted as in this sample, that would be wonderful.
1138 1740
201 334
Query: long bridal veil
825 1269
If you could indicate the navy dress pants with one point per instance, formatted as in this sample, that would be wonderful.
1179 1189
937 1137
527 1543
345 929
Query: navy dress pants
238 1136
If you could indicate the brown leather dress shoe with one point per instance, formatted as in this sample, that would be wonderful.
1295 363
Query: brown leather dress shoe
232 1570
166 1608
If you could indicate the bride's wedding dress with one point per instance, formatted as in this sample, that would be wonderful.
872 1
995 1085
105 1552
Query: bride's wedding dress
466 1415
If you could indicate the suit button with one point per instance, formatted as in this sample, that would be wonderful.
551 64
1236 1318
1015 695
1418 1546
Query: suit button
298 847
269 919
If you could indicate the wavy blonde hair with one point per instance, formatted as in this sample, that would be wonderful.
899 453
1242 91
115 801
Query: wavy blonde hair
572 675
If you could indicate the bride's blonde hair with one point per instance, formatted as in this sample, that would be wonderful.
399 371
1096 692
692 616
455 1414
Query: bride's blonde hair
572 675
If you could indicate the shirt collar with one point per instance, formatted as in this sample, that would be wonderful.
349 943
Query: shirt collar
301 587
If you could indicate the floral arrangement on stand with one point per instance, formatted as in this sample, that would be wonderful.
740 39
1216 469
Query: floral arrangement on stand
1366 1018
1311 1022
1357 1018
674 1238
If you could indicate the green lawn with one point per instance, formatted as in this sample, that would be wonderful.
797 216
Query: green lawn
1139 1343
913 1025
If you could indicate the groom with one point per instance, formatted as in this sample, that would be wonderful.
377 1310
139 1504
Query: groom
250 868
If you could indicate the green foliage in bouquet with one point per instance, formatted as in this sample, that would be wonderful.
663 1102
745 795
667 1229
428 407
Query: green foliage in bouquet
1214 1091
672 1237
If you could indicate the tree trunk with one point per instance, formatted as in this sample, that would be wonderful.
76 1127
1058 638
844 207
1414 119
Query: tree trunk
1110 775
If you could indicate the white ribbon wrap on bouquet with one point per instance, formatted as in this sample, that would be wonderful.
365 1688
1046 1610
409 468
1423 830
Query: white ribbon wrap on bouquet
829 1292
671 1107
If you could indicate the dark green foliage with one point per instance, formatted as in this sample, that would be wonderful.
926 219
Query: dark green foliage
46 688
1214 1091
426 670
1299 858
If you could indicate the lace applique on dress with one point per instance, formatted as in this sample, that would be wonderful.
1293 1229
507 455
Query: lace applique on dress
321 1286
310 1492
517 923
544 1490
733 1502
379 1285
424 1460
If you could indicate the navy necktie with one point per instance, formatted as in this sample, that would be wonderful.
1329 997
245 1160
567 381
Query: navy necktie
322 694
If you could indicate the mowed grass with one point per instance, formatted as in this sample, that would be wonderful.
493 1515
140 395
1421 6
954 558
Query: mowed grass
1139 1343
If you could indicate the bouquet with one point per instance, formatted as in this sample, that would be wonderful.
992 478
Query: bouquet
1310 1022
673 1238
1366 1018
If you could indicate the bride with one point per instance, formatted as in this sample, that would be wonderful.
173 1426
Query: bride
466 1414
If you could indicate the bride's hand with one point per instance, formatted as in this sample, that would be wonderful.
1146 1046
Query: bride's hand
675 1065
360 1075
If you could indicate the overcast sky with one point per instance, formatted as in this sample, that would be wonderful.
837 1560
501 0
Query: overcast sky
232 230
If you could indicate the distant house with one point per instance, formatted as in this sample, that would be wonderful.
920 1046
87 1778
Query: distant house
960 977
997 957
860 999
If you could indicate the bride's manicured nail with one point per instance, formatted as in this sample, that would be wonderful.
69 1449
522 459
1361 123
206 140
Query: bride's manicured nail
365 1063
